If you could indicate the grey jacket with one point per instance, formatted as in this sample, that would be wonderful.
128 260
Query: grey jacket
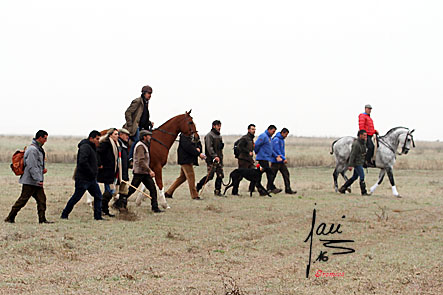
214 146
34 161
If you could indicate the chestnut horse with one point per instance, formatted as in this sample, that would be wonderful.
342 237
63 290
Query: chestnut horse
162 139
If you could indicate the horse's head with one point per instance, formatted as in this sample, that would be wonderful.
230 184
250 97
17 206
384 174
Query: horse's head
407 141
188 128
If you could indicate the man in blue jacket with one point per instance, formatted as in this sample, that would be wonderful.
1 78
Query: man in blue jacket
278 145
264 154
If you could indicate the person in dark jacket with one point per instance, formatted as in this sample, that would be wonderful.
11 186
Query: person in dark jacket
356 160
187 154
86 176
32 179
245 155
278 145
123 137
109 166
214 158
264 154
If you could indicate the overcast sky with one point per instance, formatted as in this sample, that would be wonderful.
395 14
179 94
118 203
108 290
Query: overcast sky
310 66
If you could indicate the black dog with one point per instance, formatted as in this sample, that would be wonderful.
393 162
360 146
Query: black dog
253 175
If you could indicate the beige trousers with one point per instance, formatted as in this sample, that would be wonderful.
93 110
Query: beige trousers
186 173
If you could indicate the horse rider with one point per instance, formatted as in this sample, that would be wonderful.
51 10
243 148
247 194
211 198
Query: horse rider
137 117
356 160
214 158
365 123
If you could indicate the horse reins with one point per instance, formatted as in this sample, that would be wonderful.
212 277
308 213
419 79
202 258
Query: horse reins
170 133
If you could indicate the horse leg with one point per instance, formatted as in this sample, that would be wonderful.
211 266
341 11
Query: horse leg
159 181
380 180
335 177
140 196
343 173
391 180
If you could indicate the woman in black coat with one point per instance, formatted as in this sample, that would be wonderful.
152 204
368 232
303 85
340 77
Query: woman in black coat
109 170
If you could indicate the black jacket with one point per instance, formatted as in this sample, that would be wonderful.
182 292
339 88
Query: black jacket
214 146
187 151
87 166
245 146
124 145
106 158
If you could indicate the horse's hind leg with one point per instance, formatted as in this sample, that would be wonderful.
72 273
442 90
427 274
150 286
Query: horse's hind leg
335 177
380 180
140 195
391 180
343 173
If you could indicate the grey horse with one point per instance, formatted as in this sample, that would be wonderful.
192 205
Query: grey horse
388 145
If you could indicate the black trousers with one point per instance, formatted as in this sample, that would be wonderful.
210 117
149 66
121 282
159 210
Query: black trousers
370 146
28 191
276 167
149 184
269 174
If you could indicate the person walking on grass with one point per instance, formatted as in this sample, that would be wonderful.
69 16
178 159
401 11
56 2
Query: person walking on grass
142 171
32 179
214 152
264 154
188 153
85 176
109 166
356 160
123 137
278 145
245 156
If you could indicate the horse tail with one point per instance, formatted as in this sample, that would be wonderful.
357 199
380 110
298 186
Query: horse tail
332 146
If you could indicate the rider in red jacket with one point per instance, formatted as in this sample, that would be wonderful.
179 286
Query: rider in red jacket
365 123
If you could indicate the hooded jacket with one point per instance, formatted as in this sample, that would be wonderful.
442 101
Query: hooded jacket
87 167
34 164
278 145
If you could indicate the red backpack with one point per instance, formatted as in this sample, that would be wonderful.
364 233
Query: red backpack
18 164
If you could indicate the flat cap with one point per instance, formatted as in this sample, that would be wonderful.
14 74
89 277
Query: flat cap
125 131
368 106
143 133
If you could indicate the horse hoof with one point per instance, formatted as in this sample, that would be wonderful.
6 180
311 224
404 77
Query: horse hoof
398 196
348 190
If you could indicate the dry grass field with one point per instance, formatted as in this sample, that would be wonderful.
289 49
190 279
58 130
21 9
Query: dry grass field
233 245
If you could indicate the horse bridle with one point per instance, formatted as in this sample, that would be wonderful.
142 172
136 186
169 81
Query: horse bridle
406 140
173 134
404 144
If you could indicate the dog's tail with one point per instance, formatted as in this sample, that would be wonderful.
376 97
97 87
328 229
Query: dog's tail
229 182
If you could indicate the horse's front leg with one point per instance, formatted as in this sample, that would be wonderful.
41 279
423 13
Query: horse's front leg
159 181
391 180
380 180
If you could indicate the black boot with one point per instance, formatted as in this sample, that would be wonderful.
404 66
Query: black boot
107 196
364 192
11 217
345 186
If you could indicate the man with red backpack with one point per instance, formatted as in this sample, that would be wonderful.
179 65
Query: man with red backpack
32 179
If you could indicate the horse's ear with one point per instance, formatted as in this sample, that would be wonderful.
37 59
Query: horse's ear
412 131
189 112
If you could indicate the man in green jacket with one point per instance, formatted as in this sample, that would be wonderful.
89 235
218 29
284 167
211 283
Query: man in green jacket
356 160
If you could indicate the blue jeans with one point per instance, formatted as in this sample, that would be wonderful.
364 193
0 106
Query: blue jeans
135 139
358 172
108 188
81 186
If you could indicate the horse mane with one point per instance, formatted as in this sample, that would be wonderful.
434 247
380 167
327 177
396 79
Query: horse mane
394 129
173 118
